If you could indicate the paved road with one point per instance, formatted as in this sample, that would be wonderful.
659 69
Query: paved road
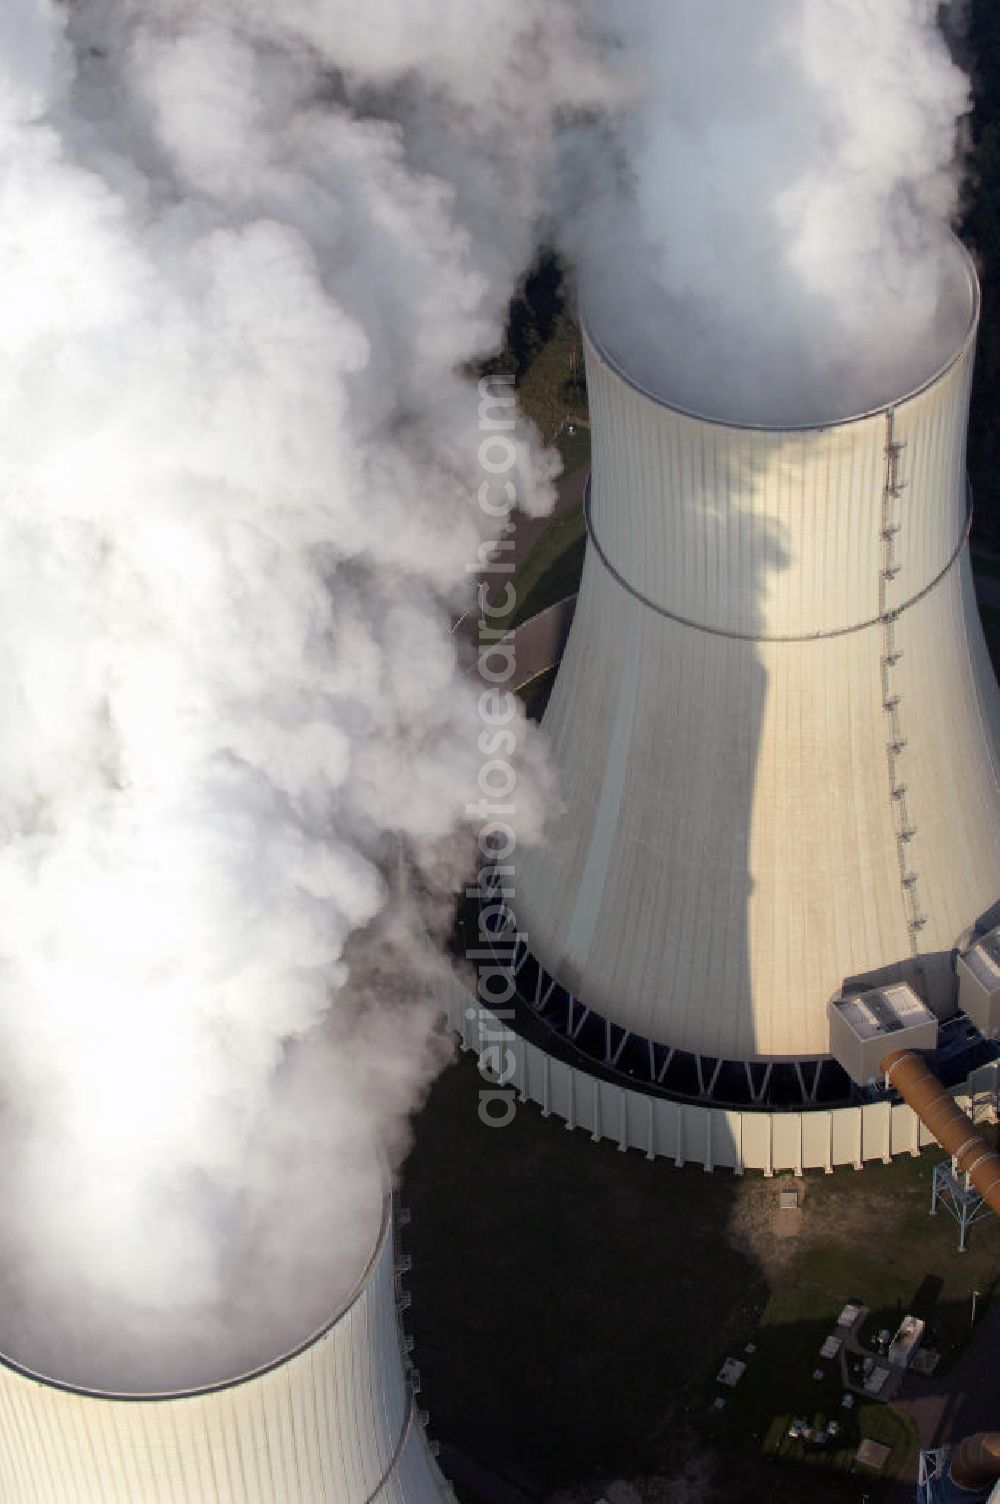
539 643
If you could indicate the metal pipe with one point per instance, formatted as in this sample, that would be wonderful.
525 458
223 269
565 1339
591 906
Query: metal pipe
975 1462
909 1073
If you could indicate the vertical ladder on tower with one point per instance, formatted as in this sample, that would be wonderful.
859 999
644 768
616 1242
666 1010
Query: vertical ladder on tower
891 522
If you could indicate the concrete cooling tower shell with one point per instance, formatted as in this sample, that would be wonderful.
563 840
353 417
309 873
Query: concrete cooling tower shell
332 1423
776 723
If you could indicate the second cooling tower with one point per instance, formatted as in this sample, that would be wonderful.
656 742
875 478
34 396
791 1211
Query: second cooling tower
776 724
331 1422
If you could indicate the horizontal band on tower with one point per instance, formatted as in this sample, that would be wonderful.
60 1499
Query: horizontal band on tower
792 637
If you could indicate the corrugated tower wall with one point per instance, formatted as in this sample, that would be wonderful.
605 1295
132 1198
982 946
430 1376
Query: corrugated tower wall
776 723
333 1425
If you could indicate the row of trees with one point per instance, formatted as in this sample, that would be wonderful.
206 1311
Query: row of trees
534 313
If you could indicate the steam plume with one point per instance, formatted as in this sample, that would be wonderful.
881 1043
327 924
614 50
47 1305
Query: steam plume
771 241
242 262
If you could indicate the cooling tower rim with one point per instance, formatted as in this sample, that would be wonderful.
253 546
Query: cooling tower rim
740 426
222 1386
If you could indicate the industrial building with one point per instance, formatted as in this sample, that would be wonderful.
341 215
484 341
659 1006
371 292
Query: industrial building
333 1421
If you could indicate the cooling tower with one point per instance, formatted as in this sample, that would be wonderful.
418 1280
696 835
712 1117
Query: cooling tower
776 726
332 1422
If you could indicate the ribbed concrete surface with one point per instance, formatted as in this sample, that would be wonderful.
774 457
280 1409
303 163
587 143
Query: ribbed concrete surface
756 812
772 533
700 1133
332 1425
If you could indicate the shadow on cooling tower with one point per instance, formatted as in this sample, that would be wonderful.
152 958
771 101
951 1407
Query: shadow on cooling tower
645 839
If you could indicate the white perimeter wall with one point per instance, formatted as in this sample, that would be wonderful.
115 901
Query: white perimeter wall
715 1137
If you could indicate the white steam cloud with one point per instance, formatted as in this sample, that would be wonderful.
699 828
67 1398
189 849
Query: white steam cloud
246 250
771 242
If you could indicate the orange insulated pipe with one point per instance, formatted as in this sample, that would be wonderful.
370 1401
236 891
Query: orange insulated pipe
954 1130
975 1463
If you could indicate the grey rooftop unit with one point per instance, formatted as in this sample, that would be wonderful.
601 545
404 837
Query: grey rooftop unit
979 984
868 1026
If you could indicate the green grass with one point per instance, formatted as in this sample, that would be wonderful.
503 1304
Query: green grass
779 1386
572 1305
542 390
892 1257
575 450
552 570
553 567
836 1458
900 1260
